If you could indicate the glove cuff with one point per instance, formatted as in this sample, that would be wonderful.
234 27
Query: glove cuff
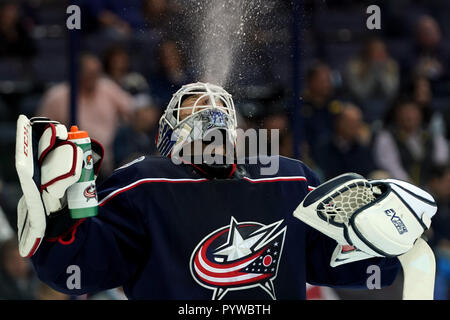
60 224
97 152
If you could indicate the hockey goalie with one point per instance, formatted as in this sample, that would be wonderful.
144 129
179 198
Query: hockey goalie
188 230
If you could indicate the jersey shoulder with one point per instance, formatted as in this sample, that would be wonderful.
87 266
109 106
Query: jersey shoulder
280 166
294 164
145 167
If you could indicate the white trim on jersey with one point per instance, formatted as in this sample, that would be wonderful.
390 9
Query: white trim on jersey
181 180
141 181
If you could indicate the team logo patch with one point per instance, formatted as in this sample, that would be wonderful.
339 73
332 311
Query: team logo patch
90 192
239 256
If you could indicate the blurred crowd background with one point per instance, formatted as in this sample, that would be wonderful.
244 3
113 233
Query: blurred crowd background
375 102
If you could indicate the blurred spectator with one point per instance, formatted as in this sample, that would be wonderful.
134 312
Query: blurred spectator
116 63
44 292
446 119
157 12
404 149
14 33
9 197
6 232
163 16
421 92
137 138
439 186
170 75
318 109
374 75
118 18
101 106
112 294
17 279
348 148
280 121
430 57
378 175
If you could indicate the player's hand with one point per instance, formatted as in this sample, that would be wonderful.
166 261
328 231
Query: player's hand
381 218
47 165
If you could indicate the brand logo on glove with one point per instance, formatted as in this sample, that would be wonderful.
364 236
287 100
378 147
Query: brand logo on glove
90 192
25 140
396 221
241 255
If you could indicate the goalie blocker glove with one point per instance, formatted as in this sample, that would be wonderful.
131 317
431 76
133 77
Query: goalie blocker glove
47 164
377 218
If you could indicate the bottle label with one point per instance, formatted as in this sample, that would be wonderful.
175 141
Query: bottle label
87 173
82 195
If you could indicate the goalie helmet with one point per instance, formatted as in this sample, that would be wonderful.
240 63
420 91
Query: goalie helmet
217 113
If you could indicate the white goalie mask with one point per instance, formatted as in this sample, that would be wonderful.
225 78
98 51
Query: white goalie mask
212 109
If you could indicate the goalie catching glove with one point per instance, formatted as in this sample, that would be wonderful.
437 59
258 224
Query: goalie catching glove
377 218
47 165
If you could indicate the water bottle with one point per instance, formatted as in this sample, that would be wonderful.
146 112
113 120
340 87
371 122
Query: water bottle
82 196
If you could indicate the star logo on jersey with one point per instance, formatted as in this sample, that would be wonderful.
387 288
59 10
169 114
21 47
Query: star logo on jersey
239 256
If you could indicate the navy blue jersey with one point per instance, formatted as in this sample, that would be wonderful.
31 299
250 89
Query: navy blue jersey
164 231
